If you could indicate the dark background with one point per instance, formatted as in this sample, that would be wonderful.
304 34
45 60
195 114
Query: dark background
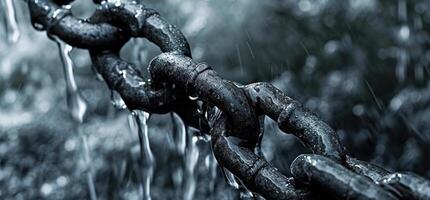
362 66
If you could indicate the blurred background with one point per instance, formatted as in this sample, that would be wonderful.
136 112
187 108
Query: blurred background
362 66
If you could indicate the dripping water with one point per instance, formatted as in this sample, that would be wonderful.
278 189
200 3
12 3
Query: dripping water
245 193
257 150
146 156
404 32
229 178
77 106
75 101
96 73
237 184
117 100
88 163
211 166
212 115
190 159
179 133
12 28
185 140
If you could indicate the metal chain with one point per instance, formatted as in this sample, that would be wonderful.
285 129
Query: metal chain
231 111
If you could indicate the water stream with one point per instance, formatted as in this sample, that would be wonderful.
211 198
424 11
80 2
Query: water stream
77 107
12 28
89 165
146 156
190 161
179 133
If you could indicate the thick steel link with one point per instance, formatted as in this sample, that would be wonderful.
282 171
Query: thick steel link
235 128
45 14
253 171
293 118
405 185
199 79
324 173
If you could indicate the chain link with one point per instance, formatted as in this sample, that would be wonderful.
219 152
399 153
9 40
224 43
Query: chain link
232 111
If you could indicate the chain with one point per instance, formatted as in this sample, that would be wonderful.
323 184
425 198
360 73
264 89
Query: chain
230 112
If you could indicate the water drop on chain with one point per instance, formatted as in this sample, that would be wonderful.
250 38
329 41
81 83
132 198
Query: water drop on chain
193 98
117 100
38 26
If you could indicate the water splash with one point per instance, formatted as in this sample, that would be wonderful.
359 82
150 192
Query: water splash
179 133
13 32
117 100
147 158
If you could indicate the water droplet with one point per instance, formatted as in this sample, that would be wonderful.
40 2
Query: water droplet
62 181
70 145
246 194
117 101
132 78
139 11
193 98
404 32
56 16
38 26
116 3
46 189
